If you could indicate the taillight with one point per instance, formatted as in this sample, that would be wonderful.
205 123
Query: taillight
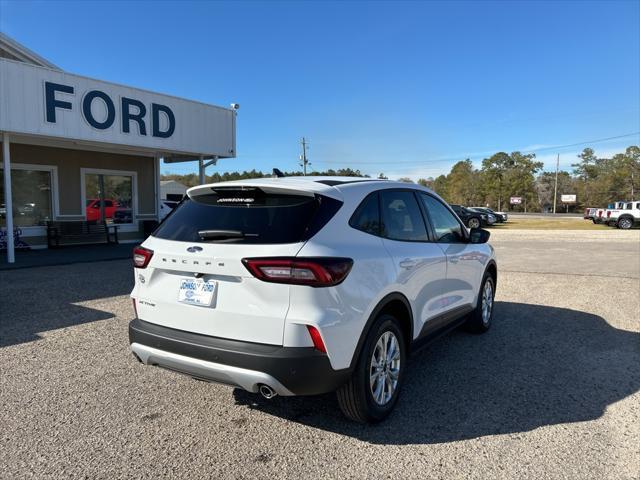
141 257
315 272
608 214
318 344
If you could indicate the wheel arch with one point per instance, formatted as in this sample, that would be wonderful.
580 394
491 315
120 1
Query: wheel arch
492 269
395 304
626 215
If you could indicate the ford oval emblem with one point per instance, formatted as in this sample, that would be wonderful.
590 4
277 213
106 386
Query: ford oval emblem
194 249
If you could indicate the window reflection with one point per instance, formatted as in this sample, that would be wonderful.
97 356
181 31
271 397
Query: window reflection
31 198
109 197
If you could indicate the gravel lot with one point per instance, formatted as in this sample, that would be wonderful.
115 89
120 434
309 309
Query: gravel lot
552 391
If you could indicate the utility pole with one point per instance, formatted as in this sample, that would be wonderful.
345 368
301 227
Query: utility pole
303 157
555 189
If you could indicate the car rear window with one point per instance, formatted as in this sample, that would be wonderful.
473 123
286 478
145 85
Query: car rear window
250 215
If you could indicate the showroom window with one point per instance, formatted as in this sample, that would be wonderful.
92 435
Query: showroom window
109 197
31 197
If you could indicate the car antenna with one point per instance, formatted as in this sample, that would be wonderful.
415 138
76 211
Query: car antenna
277 173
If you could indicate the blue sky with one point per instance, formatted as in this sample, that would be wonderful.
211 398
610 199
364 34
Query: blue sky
401 88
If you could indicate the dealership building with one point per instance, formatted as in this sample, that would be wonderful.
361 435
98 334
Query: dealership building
77 149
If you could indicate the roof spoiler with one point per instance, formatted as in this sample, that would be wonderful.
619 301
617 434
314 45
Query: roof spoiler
274 185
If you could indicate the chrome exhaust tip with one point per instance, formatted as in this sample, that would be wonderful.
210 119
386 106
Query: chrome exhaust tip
267 392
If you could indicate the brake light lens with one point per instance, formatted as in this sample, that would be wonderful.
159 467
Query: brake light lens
311 271
316 338
608 214
141 257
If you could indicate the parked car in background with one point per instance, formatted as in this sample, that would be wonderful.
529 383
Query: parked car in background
602 216
93 209
166 207
625 217
472 218
307 285
500 217
590 213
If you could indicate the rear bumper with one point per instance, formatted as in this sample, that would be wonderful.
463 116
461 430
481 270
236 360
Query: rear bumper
287 370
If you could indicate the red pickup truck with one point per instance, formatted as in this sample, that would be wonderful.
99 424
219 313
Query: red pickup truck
93 209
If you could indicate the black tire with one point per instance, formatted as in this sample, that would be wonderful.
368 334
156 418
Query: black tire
474 222
476 321
356 398
625 223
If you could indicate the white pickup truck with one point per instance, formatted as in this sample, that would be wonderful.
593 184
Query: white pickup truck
626 216
599 215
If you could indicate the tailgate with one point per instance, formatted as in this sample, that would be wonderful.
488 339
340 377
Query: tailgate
242 307
197 257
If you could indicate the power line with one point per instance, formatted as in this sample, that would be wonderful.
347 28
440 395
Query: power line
555 147
450 158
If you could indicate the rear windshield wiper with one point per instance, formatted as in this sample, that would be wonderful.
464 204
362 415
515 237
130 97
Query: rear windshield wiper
220 234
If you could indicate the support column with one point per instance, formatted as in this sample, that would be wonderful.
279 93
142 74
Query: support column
201 169
6 163
158 162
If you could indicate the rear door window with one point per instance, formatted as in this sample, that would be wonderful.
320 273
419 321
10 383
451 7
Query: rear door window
401 216
248 215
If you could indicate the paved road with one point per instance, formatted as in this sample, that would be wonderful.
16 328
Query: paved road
552 391
608 253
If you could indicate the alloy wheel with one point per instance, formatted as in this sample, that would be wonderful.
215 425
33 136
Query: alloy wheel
487 302
384 368
625 223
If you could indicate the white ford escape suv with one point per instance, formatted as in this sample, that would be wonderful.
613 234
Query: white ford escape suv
305 285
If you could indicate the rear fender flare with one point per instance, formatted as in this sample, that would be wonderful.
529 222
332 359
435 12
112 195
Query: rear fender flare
395 296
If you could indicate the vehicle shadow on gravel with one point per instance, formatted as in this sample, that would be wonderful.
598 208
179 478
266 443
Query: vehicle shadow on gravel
537 366
42 299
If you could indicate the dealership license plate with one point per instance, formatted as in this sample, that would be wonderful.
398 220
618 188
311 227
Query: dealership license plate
195 291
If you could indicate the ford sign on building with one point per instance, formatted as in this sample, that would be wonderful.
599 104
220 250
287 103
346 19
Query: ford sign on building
81 157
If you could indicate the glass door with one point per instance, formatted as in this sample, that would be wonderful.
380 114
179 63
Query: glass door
109 198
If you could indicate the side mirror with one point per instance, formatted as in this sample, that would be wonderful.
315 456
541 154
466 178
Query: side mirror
479 235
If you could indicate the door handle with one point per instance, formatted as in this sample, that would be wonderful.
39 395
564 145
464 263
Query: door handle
408 263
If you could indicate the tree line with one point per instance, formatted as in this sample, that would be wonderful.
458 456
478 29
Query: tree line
192 179
595 181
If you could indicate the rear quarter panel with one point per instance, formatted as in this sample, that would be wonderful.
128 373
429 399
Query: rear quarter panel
341 312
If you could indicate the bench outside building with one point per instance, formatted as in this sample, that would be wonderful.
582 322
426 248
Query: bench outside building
80 233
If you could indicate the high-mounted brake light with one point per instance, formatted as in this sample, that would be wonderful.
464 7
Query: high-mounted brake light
141 257
311 271
316 338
